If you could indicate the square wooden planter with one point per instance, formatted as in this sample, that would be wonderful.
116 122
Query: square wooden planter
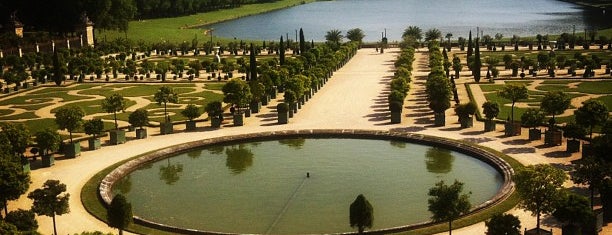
396 117
190 125
535 134
94 143
512 128
489 125
141 133
466 122
166 128
215 122
239 119
117 137
573 146
283 117
72 150
553 137
439 119
48 160
255 107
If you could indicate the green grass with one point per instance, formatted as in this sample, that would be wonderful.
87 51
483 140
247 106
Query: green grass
179 29
597 87
40 98
136 90
215 86
606 100
40 124
557 82
92 106
21 116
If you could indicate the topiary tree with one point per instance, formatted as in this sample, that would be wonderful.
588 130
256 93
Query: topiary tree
191 112
514 93
49 200
93 127
113 104
490 109
592 113
13 180
503 224
554 103
69 118
447 203
532 118
119 213
47 141
214 109
573 210
237 93
166 95
16 137
361 214
539 188
139 118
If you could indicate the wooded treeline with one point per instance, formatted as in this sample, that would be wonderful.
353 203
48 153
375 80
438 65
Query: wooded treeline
62 16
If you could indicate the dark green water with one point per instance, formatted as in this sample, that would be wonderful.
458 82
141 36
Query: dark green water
261 187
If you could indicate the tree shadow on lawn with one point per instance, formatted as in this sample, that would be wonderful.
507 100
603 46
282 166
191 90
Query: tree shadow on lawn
519 150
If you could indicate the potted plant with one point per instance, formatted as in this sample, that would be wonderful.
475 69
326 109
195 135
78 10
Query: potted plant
532 119
237 93
438 92
94 127
465 113
70 118
554 103
139 118
113 104
396 111
166 95
513 93
592 113
573 132
283 113
258 94
215 113
191 112
290 100
48 141
490 110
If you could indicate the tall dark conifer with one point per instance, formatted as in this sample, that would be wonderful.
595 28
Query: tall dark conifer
282 51
302 43
477 62
470 49
252 64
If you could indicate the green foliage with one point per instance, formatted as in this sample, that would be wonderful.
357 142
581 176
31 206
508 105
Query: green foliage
355 35
290 97
282 107
490 109
574 131
93 127
573 209
433 34
24 220
361 213
539 187
555 103
414 32
164 96
503 224
532 118
16 136
438 93
447 203
465 110
119 213
334 38
47 141
69 118
237 92
13 180
7 228
214 109
113 104
191 112
514 93
592 113
139 118
50 200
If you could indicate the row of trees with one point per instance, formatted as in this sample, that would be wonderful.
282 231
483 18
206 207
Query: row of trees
400 84
437 86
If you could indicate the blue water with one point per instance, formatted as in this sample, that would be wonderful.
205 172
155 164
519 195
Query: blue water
509 17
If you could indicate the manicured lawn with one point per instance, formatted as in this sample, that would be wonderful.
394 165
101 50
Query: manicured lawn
215 86
179 29
607 100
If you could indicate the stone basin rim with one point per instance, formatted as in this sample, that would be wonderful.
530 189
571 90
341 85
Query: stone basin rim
502 167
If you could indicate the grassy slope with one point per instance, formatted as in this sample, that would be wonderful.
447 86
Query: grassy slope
179 29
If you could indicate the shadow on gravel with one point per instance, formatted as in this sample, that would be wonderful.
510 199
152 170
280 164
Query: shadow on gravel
558 154
408 129
472 133
451 129
478 140
517 142
518 150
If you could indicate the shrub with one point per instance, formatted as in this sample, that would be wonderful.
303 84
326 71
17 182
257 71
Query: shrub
282 107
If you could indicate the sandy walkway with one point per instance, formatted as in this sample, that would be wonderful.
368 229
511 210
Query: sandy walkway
353 98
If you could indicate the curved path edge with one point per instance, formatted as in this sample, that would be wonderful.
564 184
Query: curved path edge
489 157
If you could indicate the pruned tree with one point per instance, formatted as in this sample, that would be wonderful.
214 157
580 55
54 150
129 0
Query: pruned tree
554 103
113 104
69 118
164 96
13 180
50 200
503 224
119 213
592 113
447 202
514 93
47 141
539 187
361 214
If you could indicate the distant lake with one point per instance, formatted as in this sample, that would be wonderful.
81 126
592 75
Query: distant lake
509 17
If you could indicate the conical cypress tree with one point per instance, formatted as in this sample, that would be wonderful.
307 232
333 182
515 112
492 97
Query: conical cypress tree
282 51
477 62
470 50
253 64
302 43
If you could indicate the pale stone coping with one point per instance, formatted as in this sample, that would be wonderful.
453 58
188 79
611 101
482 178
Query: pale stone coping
105 187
